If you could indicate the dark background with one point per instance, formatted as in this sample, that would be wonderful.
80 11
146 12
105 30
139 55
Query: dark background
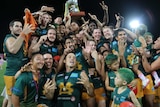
147 11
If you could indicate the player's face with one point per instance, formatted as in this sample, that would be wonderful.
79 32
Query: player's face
51 35
70 44
122 36
48 60
16 28
74 26
108 33
38 62
70 60
92 26
97 34
93 45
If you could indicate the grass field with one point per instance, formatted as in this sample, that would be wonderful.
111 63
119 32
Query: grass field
2 82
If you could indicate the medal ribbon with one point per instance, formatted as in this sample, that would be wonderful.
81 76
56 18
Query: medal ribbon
66 79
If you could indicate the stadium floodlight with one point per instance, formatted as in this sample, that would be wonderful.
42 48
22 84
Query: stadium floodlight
134 24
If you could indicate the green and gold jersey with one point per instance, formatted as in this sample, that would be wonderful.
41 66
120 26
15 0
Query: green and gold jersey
41 97
119 98
69 92
14 61
26 88
44 48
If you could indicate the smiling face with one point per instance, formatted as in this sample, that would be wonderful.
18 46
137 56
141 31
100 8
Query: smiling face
16 28
70 60
114 66
51 34
69 43
74 27
121 36
108 33
97 34
48 60
93 45
37 62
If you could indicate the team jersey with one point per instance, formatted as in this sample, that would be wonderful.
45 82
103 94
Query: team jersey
69 92
111 76
40 32
14 61
128 54
119 98
44 48
96 79
156 56
26 88
81 62
41 97
137 43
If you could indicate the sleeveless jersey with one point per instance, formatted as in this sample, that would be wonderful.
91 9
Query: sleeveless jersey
14 61
119 98
69 92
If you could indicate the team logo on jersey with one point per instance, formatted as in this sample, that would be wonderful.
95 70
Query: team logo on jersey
75 75
65 89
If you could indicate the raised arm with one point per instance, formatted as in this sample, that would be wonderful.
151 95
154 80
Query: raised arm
122 47
13 45
61 61
94 17
119 21
36 47
106 15
147 66
131 35
68 21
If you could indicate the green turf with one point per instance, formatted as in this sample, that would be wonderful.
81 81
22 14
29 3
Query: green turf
2 81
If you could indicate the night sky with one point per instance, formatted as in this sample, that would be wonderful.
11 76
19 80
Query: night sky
147 11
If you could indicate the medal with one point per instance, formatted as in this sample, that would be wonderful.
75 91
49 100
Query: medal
64 89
